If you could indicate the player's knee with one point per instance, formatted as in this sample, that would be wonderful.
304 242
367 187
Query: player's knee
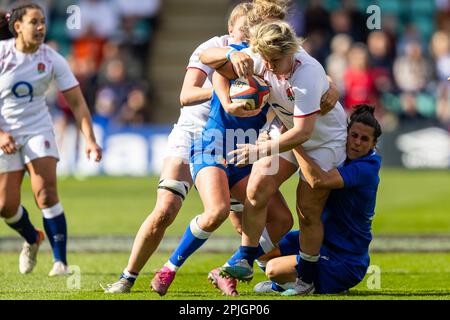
259 196
214 217
165 215
46 196
271 271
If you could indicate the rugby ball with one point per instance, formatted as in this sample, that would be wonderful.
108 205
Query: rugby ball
252 90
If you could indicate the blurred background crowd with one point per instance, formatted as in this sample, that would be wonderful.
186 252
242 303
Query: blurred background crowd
402 68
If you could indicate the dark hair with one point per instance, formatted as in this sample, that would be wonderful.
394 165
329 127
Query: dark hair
7 19
364 113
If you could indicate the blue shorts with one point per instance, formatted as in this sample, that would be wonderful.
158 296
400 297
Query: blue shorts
201 160
336 270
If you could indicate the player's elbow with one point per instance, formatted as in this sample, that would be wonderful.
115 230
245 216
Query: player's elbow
186 96
183 98
204 58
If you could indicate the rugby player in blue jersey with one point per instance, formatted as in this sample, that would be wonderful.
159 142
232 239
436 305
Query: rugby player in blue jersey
347 216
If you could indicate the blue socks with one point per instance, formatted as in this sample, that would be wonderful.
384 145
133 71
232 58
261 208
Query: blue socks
247 253
22 224
307 267
193 238
56 229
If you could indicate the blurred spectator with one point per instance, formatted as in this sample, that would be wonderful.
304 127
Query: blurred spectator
380 61
412 71
409 113
443 15
340 22
115 79
100 21
410 34
105 108
136 110
440 51
317 18
359 83
336 62
113 51
358 30
138 22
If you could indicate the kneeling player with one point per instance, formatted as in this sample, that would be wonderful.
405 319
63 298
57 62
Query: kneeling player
347 217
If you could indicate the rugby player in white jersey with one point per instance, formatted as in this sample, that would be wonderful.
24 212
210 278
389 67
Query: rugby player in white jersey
27 140
297 82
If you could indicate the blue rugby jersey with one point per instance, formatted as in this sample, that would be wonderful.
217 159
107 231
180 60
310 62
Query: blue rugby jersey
348 213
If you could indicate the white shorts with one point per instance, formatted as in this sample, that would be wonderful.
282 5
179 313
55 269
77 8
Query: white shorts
29 147
179 143
326 157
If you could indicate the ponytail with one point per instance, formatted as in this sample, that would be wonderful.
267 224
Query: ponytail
365 114
5 18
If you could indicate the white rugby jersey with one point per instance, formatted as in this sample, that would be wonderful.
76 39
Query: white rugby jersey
194 117
299 96
24 80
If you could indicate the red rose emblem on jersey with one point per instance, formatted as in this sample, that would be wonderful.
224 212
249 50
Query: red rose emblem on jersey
47 144
290 94
41 67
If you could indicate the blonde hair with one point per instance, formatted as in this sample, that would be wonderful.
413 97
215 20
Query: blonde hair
264 10
241 10
275 38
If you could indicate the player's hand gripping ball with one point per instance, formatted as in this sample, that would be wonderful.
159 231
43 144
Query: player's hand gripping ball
252 90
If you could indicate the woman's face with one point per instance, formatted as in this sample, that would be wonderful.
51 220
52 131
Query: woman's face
360 140
32 28
279 64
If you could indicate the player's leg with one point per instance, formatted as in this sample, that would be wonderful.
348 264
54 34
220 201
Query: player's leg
16 217
212 185
42 173
310 204
174 184
262 187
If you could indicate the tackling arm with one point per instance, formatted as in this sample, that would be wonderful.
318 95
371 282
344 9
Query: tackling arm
192 91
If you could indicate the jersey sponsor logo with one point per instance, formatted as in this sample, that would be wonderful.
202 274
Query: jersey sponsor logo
47 144
23 89
281 109
41 67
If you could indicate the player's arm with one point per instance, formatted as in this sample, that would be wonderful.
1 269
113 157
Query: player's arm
79 108
222 89
7 142
329 98
315 176
192 91
298 134
219 58
288 140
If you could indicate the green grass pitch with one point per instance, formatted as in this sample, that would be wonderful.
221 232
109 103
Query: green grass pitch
403 276
409 202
